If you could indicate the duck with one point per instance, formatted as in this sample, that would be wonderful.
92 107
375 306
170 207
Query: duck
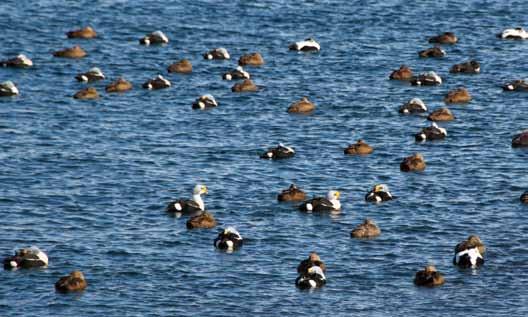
204 220
434 132
359 148
469 253
156 83
228 239
277 153
471 67
458 95
20 61
426 79
94 74
26 258
524 197
72 52
235 74
444 38
313 260
520 140
432 52
183 66
311 273
379 193
83 33
217 53
205 101
367 229
428 277
120 85
251 59
441 114
308 45
87 93
8 89
514 34
74 282
185 206
413 106
413 163
302 106
319 204
293 193
516 85
156 37
246 86
403 73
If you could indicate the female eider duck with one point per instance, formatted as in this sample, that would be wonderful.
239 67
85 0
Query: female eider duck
434 132
320 204
413 163
413 106
302 106
74 282
428 277
21 61
92 75
368 229
185 206
252 59
403 73
359 148
205 101
156 83
308 45
84 33
520 140
246 86
278 153
72 52
120 85
86 94
469 253
432 52
379 193
228 239
444 38
514 34
217 53
235 74
458 95
26 258
8 89
524 197
204 220
516 85
426 79
156 37
311 272
293 193
441 114
471 67
183 66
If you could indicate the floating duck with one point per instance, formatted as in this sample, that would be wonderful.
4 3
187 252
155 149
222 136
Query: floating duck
458 95
434 132
8 89
74 282
205 101
183 66
217 53
312 260
26 258
204 220
311 273
246 86
156 37
184 206
252 59
293 193
308 45
21 61
471 67
228 239
444 38
514 34
413 163
516 85
469 253
403 73
520 140
302 106
524 197
441 114
93 74
426 79
235 74
413 106
359 148
320 204
87 93
432 52
84 33
120 85
368 229
72 52
156 83
428 277
279 152
379 193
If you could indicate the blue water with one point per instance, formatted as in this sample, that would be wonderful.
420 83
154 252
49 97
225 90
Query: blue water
88 181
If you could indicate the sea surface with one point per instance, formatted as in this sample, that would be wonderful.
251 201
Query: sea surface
88 181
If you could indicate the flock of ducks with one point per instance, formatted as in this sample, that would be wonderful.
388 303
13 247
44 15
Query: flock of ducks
467 254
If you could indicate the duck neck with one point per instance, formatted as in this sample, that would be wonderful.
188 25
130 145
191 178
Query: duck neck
197 198
336 203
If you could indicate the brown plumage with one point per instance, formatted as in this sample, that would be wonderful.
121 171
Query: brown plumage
183 66
302 106
459 95
72 52
72 283
444 38
413 163
313 259
368 229
204 220
84 33
471 67
428 277
293 193
472 241
120 85
524 197
252 59
403 73
441 114
432 52
360 147
87 93
246 86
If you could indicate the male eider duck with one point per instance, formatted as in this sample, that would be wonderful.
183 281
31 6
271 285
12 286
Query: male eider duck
26 258
514 34
520 140
205 101
403 73
444 38
293 193
428 277
84 33
21 61
156 83
432 52
228 239
183 66
441 114
8 89
74 282
217 53
252 59
516 85
235 74
320 204
458 95
204 220
120 85
368 229
246 86
302 106
469 253
311 272
426 79
87 93
413 106
156 37
471 67
185 206
524 197
279 152
72 52
93 74
434 132
359 148
413 163
308 45
379 193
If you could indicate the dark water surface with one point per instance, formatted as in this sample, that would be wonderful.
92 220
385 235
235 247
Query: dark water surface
88 181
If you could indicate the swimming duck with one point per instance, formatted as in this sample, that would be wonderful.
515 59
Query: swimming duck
279 152
185 206
217 53
252 59
320 204
312 260
432 52
516 85
444 38
26 258
21 61
458 95
246 86
469 253
84 33
183 66
87 93
237 73
308 45
72 52
426 79
524 197
204 220
8 89
441 114
205 101
514 34
157 82
413 163
434 132
302 106
368 229
156 37
360 147
521 139
120 85
311 272
471 67
403 73
293 193
428 277
413 106
379 193
228 239
74 282
93 74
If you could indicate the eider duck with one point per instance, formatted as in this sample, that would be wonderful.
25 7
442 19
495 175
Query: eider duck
368 229
252 59
320 204
72 52
441 114
403 73
428 277
524 197
426 79
434 132
217 53
120 85
444 38
279 152
87 93
471 67
228 239
516 85
302 106
359 148
469 253
312 260
235 74
379 193
246 86
21 61
308 45
514 34
26 258
183 66
520 140
185 206
413 106
93 74
413 163
84 33
432 52
156 37
293 193
458 95
311 273
205 101
156 83
204 220
74 282
8 89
